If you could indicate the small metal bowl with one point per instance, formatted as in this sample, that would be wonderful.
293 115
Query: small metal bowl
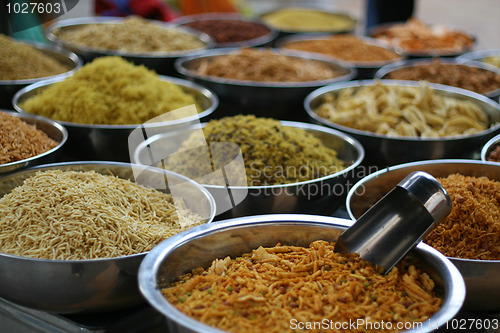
110 142
261 41
365 69
383 72
318 196
428 53
162 63
201 245
351 21
77 286
481 276
53 130
479 55
386 150
8 88
271 99
489 147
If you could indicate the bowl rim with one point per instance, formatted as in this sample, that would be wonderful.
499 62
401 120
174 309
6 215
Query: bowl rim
317 8
71 22
25 116
282 42
182 69
425 53
71 56
59 165
306 126
211 96
478 55
376 174
149 288
383 71
226 16
360 83
487 146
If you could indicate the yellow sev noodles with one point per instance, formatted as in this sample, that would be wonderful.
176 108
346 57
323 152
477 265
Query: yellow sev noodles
403 111
72 215
109 91
265 290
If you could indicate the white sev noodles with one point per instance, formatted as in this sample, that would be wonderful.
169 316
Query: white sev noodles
71 215
401 111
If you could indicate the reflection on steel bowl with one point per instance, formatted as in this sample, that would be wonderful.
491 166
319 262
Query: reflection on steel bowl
230 29
51 129
481 276
473 76
161 61
110 142
489 57
8 88
388 149
264 98
363 53
232 238
319 195
71 286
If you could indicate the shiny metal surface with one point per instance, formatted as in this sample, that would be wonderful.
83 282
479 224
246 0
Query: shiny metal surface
162 63
395 224
318 196
201 245
386 150
54 131
110 142
386 70
271 99
489 146
75 286
264 40
365 69
481 276
8 88
478 55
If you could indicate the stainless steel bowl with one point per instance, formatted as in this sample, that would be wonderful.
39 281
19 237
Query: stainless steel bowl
383 72
386 150
271 99
481 276
53 130
8 88
365 69
490 146
478 55
162 63
321 196
264 40
110 142
201 245
75 286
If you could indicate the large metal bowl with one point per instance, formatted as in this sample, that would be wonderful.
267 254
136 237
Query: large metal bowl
53 130
201 245
321 196
481 276
110 142
478 55
162 63
383 72
365 69
8 88
386 150
263 40
71 286
489 147
271 99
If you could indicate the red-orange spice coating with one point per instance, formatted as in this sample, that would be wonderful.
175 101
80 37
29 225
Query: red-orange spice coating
20 140
472 229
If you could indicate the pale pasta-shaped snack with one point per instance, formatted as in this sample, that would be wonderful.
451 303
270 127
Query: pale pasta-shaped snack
403 111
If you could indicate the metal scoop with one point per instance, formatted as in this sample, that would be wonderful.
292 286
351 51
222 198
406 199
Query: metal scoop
397 222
